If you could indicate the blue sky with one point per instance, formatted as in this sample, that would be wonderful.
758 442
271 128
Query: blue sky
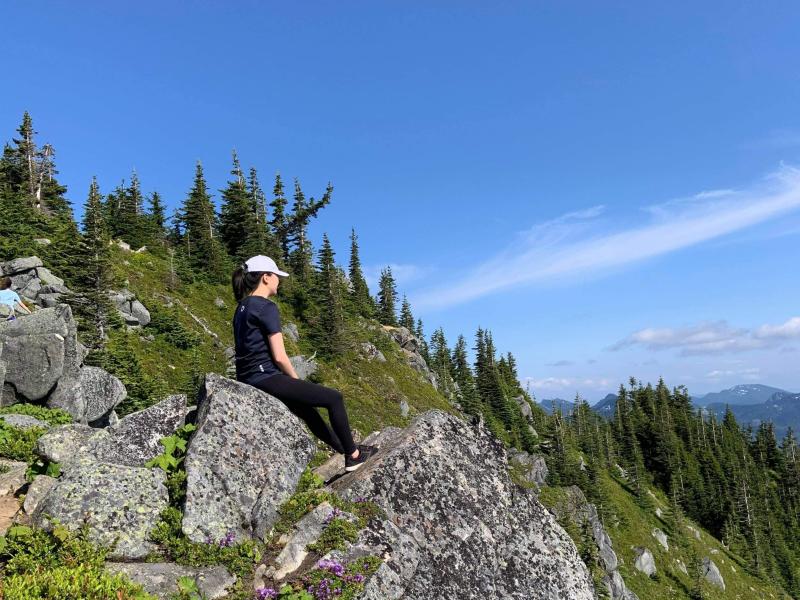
612 190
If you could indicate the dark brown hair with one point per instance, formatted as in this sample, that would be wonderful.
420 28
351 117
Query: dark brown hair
5 283
244 282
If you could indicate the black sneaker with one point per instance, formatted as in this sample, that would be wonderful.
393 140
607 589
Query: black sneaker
364 454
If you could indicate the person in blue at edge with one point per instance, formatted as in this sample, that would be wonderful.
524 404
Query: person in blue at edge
261 360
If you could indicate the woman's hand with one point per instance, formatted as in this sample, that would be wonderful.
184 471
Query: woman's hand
279 355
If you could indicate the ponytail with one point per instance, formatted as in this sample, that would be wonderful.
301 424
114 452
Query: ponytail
244 282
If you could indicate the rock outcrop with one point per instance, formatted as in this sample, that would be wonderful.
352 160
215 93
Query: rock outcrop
532 467
410 346
456 526
34 282
160 579
129 308
644 561
243 461
579 510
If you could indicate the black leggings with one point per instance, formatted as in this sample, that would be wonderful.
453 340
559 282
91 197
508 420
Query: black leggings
302 397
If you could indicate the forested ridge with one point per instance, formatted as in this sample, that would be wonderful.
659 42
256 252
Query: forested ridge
742 485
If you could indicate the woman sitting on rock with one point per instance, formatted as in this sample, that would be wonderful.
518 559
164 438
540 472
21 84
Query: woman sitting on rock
261 360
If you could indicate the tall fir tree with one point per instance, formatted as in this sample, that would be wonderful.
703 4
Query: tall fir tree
204 252
329 331
280 222
237 221
387 298
462 374
406 317
360 298
424 350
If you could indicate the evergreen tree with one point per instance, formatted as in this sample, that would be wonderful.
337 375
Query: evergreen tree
237 222
441 363
360 299
203 250
419 333
156 224
261 240
329 331
387 298
280 222
406 318
462 374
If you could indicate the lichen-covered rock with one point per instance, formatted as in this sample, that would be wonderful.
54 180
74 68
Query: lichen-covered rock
140 313
47 278
13 476
37 490
134 440
304 367
160 579
710 573
644 561
456 526
66 443
39 349
307 531
90 396
243 461
116 502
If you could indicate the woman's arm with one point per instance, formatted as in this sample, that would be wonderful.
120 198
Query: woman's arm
22 304
279 355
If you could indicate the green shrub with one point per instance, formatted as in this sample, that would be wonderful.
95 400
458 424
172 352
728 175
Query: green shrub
239 558
167 324
171 461
54 416
58 565
335 536
17 443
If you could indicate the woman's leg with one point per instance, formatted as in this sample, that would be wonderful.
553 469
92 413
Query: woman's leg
302 398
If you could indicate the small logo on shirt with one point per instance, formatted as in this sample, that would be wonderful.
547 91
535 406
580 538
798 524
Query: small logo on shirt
261 367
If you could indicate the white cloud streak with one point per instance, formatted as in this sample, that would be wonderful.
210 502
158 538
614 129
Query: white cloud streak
712 338
571 245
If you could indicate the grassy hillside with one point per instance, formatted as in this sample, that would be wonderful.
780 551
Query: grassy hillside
629 524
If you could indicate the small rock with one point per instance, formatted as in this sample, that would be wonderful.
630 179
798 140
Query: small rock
124 245
331 467
219 303
404 408
644 561
659 513
24 421
661 537
37 490
681 566
307 531
304 367
160 579
42 241
711 573
140 313
289 329
142 249
371 352
14 477
533 467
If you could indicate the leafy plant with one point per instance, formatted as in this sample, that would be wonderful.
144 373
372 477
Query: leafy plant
187 589
17 443
171 462
59 565
54 416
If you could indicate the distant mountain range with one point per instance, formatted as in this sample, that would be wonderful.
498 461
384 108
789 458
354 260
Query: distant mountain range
739 395
751 404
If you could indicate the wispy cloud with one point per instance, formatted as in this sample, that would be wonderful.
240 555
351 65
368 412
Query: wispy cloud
575 243
712 338
566 384
752 373
560 363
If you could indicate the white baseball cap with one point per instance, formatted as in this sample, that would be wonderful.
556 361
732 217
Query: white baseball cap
262 263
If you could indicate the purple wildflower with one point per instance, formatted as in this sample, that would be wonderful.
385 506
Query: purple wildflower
332 566
266 593
227 540
360 500
334 514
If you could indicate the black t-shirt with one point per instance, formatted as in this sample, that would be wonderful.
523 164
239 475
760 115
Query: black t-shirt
255 318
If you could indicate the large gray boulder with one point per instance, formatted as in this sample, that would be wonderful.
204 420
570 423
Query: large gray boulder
129 308
243 461
89 396
710 573
161 579
39 349
134 440
21 264
118 503
47 278
456 526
